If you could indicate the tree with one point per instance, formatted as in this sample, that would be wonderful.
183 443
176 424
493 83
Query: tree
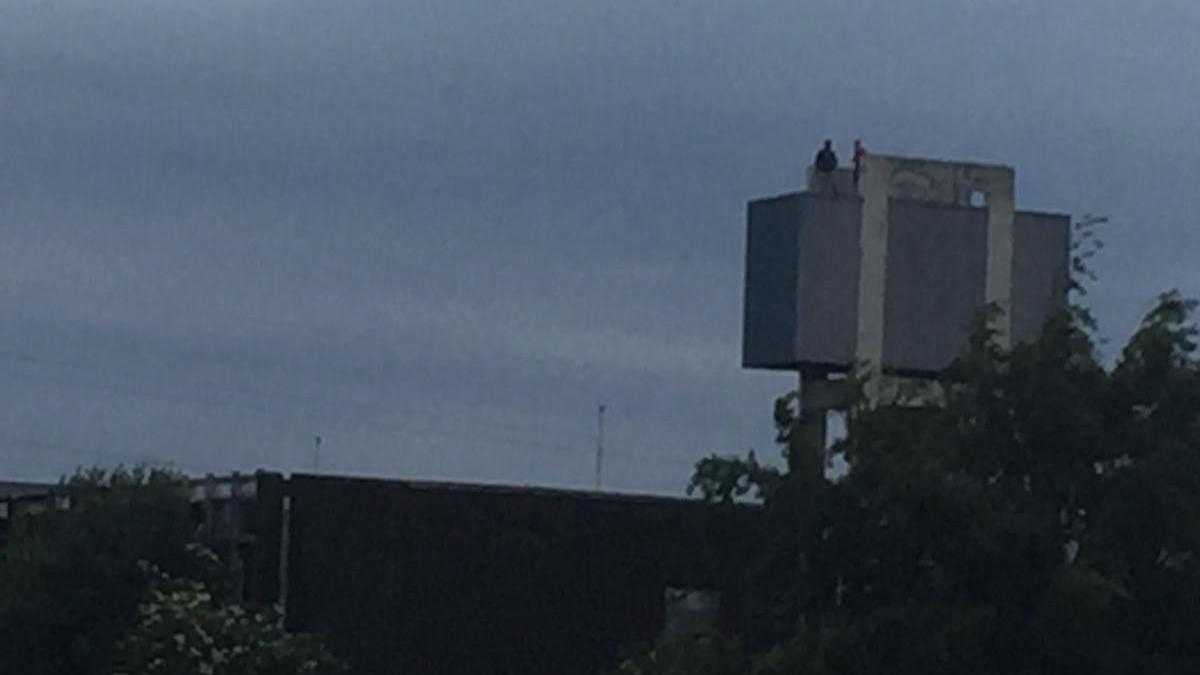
1042 520
688 656
117 578
184 629
69 579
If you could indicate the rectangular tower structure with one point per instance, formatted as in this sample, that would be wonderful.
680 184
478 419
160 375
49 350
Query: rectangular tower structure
890 273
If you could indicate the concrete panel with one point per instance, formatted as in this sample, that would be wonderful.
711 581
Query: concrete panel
940 181
828 293
1041 271
769 306
937 261
876 187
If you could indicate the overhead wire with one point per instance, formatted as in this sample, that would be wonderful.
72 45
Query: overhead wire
315 409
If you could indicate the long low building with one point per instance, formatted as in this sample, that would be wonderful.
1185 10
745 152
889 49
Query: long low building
10 488
426 577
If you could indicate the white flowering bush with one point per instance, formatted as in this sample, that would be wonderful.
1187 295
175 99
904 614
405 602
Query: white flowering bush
70 584
184 630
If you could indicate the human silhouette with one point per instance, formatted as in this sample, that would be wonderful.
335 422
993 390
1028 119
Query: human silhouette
827 160
860 151
824 167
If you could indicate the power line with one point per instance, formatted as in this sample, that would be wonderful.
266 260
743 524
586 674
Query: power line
222 397
424 434
234 399
65 449
228 402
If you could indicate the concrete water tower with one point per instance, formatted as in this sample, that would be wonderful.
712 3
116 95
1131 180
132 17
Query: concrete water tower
890 272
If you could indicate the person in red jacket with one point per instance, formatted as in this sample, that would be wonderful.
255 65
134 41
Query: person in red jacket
860 151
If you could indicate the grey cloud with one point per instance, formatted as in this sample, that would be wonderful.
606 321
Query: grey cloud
440 232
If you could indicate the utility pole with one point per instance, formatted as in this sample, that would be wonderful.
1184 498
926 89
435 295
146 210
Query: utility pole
599 444
316 453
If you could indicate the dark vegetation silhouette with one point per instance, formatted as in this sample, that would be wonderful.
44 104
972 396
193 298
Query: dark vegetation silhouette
115 582
1043 520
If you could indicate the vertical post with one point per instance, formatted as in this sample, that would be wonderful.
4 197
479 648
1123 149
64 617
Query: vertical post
811 431
285 552
234 513
874 187
210 510
1001 213
599 444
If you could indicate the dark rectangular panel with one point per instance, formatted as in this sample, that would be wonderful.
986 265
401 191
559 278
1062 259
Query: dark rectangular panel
426 579
1041 253
769 309
828 281
936 276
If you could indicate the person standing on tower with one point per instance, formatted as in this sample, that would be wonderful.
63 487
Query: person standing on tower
860 151
825 165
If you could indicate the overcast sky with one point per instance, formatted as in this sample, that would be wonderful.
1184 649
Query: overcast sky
439 233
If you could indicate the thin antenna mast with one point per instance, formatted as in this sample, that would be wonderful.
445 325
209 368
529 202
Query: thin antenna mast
599 443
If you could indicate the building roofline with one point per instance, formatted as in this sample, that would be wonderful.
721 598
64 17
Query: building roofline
941 160
779 197
243 486
18 488
1035 212
803 194
508 489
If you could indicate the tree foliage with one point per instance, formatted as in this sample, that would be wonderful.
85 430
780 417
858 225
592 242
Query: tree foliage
184 629
69 579
1043 520
112 574
688 656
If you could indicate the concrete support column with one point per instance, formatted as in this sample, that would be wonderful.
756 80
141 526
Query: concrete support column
819 395
874 188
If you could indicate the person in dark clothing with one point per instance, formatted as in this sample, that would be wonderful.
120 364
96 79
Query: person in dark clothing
827 160
824 167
